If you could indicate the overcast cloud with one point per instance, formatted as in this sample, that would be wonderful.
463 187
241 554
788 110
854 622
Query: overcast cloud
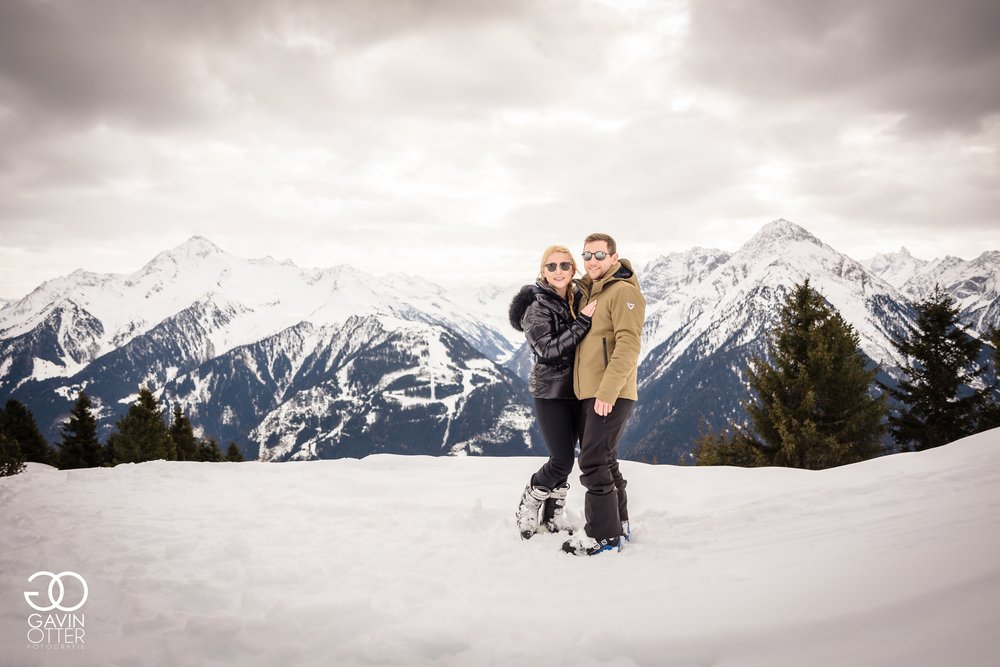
455 139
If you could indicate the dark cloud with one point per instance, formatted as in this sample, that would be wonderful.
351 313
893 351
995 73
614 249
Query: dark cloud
155 64
934 62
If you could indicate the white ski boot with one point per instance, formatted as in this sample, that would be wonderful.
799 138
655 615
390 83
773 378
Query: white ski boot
532 501
553 513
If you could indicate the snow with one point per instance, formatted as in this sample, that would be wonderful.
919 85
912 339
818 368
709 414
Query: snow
895 268
262 296
740 293
42 369
395 560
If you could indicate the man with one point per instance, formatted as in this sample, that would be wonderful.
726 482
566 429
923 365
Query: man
604 378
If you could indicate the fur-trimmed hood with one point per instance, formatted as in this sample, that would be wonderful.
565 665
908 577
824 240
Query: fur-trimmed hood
519 304
540 291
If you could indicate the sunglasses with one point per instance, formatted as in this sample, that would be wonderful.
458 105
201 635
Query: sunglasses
600 255
563 266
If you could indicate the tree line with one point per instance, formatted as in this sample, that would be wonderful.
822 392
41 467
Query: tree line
815 404
142 434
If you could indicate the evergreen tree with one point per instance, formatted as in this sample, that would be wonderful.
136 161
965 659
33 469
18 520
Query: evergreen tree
721 448
234 454
813 406
182 434
19 425
989 415
80 447
141 435
11 458
940 361
209 451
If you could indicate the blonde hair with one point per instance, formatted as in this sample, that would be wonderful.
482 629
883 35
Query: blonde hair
541 271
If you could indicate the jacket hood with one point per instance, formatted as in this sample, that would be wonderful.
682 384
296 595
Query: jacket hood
625 272
529 293
621 270
519 304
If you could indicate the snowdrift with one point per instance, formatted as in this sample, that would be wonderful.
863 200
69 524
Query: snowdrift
395 560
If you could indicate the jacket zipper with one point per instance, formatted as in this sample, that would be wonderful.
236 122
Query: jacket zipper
604 342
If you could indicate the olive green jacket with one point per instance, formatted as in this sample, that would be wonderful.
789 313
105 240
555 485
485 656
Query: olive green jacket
606 358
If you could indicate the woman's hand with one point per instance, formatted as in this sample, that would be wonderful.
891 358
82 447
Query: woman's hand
589 309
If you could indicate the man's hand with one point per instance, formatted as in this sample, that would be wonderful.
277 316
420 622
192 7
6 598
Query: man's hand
602 408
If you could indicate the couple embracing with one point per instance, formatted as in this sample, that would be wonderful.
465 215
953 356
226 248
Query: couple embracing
585 338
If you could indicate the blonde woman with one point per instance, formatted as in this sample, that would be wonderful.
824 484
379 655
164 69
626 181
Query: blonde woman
546 313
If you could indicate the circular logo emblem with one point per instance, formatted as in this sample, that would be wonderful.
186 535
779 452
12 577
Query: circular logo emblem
56 591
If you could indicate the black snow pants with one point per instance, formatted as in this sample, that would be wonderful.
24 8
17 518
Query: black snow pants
606 504
561 421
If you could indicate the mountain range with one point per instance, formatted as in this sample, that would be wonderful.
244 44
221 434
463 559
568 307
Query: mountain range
294 364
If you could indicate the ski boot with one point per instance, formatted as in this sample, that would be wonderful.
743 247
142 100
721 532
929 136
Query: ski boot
532 501
588 546
553 513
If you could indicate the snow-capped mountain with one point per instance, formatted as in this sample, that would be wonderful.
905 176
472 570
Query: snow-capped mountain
362 387
91 314
895 268
975 286
296 363
196 316
727 302
697 347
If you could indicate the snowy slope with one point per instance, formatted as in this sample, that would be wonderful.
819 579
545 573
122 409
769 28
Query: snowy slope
394 560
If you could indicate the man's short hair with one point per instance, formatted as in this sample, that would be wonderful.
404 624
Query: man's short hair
612 247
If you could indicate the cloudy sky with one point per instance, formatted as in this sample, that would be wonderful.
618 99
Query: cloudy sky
456 138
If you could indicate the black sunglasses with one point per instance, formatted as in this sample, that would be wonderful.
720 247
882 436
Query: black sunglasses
600 255
551 266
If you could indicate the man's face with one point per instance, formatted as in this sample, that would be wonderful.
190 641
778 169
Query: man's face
596 268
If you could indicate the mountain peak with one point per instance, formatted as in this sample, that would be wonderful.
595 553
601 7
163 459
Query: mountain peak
197 246
785 230
777 234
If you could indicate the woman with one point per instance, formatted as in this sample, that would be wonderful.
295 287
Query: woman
545 313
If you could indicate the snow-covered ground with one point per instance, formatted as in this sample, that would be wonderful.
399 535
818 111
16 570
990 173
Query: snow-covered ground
415 561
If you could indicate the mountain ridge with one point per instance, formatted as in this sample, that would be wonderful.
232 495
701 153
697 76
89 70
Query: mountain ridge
195 308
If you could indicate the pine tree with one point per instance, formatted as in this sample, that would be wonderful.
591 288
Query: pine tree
209 451
989 415
812 405
234 454
722 448
19 425
11 458
182 434
141 435
940 361
80 447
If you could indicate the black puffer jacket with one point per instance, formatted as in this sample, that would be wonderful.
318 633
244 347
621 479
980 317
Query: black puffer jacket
553 335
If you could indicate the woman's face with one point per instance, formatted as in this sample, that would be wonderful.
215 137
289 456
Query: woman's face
561 277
